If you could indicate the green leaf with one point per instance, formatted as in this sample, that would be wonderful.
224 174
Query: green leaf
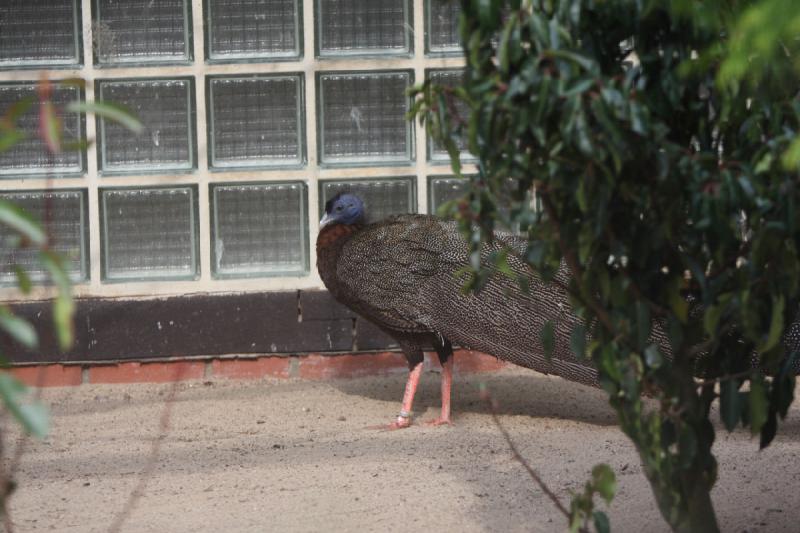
35 418
63 306
108 111
548 339
63 311
768 430
577 341
580 87
18 328
17 219
601 522
775 326
501 263
54 264
711 318
678 304
605 482
488 13
32 416
765 163
575 522
9 138
791 158
80 83
642 323
77 146
758 404
16 110
582 196
730 405
584 62
783 385
23 280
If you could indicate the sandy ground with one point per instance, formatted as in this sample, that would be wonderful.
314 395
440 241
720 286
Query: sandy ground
297 456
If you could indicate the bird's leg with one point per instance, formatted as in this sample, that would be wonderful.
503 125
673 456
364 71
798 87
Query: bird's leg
404 418
445 351
415 358
447 383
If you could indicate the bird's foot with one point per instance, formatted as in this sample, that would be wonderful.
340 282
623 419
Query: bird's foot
399 423
439 422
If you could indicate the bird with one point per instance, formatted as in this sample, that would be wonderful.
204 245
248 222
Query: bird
399 273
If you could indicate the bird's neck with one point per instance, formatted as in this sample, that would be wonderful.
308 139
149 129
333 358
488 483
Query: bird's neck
335 234
330 241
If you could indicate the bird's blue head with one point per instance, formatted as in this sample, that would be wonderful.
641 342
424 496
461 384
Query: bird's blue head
344 208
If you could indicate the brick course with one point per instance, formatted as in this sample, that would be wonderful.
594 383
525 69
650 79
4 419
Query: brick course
315 366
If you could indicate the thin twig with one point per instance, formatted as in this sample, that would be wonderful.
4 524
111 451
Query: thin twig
147 472
5 492
521 460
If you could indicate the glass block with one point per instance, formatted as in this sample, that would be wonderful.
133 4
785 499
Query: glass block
437 152
382 197
31 156
149 233
441 27
442 189
165 108
39 33
362 117
259 229
242 29
62 214
363 27
255 121
137 31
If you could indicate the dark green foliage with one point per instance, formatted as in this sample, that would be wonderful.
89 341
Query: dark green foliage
664 187
582 509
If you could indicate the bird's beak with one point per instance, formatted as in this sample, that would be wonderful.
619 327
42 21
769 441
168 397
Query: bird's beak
324 221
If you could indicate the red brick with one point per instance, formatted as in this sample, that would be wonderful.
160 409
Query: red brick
349 366
48 375
146 372
469 362
251 368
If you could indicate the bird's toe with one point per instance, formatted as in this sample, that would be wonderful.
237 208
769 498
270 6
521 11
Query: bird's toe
439 422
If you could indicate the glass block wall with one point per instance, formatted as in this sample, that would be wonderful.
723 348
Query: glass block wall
255 112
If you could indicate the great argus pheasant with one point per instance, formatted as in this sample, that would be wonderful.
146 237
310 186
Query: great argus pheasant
399 274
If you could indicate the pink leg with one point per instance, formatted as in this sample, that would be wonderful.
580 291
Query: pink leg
447 384
404 419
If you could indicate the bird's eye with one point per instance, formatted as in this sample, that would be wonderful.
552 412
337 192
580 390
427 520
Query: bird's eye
338 208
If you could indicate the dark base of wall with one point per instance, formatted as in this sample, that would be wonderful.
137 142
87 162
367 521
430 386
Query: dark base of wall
309 366
202 325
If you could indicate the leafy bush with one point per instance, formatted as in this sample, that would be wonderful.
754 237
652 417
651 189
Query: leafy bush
663 188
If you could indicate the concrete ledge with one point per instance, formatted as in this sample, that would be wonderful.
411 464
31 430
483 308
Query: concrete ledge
306 366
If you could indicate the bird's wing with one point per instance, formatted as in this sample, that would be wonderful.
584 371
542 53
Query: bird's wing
388 267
